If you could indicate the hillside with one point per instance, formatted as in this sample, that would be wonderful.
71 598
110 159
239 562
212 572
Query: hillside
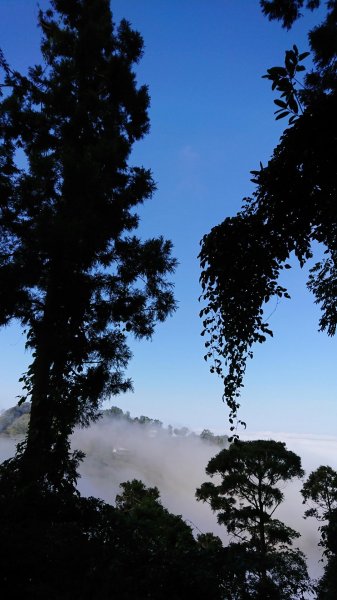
119 448
14 422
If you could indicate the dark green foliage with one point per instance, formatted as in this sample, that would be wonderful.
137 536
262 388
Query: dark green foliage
287 11
86 549
136 494
157 541
245 500
181 431
71 269
327 585
167 561
45 549
217 440
320 491
320 494
292 209
284 80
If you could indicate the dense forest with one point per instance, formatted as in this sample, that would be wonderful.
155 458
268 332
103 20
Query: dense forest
80 282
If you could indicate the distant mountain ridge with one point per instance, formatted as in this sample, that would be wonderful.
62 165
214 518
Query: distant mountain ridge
14 423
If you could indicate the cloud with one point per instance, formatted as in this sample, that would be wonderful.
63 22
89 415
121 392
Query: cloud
314 450
189 156
118 451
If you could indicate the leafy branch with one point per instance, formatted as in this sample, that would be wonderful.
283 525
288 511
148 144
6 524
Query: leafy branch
284 81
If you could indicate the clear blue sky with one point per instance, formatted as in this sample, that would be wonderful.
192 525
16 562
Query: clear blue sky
211 123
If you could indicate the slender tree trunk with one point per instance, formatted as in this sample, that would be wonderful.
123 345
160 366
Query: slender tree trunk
266 588
44 431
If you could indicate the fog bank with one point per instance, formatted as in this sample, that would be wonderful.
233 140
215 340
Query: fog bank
118 450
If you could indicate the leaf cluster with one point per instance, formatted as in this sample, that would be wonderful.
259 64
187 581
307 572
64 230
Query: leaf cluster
291 210
288 12
321 489
284 81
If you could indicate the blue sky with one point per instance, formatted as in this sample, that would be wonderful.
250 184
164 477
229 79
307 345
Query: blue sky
211 123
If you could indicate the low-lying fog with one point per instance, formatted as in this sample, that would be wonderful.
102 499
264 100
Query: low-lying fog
118 451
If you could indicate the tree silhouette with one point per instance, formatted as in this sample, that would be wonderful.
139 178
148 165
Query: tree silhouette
160 556
85 548
320 494
320 491
287 11
245 500
292 208
71 269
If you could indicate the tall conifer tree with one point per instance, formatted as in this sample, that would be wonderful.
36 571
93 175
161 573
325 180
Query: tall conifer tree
71 270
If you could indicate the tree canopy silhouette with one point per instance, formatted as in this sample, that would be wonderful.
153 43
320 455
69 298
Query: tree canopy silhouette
292 208
287 11
245 499
71 269
320 492
86 548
